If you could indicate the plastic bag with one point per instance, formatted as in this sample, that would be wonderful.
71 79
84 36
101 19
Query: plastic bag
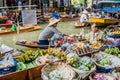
7 61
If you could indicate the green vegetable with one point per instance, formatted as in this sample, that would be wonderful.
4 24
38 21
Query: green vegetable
105 62
55 75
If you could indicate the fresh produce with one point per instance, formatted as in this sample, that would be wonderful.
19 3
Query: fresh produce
86 63
113 51
102 76
117 41
73 60
83 68
55 75
23 66
30 55
116 32
96 45
42 60
57 53
105 62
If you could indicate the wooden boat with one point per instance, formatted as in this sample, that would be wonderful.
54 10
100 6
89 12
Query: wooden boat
103 21
33 46
22 29
6 25
78 25
70 19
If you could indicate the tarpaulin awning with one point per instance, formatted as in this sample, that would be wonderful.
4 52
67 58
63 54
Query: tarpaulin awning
111 10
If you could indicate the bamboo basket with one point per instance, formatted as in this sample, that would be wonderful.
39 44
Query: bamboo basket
66 71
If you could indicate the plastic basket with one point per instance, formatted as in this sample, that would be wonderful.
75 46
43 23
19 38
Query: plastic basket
101 68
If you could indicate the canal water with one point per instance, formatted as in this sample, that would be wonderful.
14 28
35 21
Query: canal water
10 40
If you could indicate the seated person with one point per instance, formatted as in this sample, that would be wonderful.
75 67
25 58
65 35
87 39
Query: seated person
55 14
70 15
84 18
95 34
49 32
108 16
103 15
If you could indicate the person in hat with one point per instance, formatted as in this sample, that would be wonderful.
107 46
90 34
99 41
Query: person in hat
84 17
95 34
49 32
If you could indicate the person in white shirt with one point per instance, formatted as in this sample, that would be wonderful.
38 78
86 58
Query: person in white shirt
84 18
19 5
95 34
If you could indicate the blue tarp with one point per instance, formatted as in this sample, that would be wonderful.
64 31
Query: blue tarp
111 10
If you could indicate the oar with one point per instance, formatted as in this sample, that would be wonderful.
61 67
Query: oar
18 27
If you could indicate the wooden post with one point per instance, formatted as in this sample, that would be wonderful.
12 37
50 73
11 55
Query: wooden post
29 4
4 3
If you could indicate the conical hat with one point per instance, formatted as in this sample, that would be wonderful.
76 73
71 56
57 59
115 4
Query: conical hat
85 12
53 21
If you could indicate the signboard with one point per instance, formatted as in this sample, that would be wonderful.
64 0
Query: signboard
29 17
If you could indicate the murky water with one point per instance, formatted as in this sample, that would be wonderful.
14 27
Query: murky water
10 40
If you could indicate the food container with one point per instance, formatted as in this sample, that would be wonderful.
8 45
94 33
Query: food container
66 71
102 68
10 69
114 62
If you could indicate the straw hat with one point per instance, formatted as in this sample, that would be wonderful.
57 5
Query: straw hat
85 12
53 21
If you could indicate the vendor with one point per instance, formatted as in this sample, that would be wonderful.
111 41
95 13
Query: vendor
84 17
95 34
108 16
49 32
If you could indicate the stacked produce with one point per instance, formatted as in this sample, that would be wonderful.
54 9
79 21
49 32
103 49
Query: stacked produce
31 58
86 63
102 76
42 60
23 66
30 55
83 66
113 51
73 60
58 71
114 33
107 61
55 75
27 59
96 45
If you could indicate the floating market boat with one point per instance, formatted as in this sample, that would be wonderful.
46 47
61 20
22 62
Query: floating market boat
33 45
5 31
103 21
